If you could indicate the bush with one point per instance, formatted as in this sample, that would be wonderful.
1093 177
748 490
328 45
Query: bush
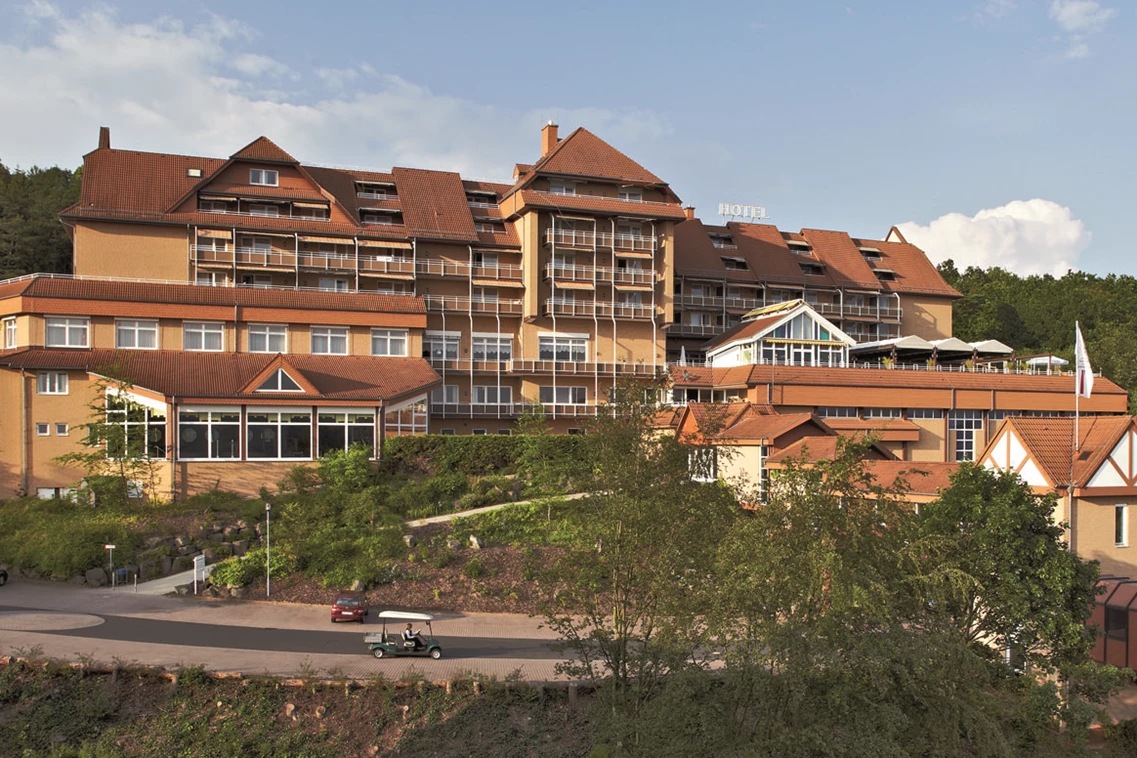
237 572
551 522
474 569
60 539
479 455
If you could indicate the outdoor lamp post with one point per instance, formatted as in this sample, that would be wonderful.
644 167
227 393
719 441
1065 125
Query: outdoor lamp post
268 548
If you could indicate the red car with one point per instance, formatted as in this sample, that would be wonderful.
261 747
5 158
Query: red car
349 608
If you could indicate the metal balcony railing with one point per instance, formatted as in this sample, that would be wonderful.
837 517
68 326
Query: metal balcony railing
292 216
465 304
385 264
583 368
589 238
376 196
605 274
327 262
697 330
435 267
260 257
715 301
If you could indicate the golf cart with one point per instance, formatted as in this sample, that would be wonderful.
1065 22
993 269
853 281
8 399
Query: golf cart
383 644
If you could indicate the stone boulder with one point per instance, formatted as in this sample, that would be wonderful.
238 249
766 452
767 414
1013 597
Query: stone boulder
96 577
153 542
217 537
240 547
453 544
182 540
77 580
210 555
357 586
410 540
167 563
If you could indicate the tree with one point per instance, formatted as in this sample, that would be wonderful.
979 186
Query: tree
31 236
1025 589
124 444
632 590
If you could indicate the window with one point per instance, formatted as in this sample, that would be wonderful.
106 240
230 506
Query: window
193 173
800 247
329 340
1116 623
493 348
67 332
574 431
266 338
261 245
61 430
870 253
562 188
631 298
493 395
257 280
264 177
477 431
280 435
703 463
628 231
211 279
447 432
564 395
489 227
882 413
339 431
963 425
885 275
558 348
10 338
810 269
388 342
136 431
51 383
43 430
203 335
1121 526
631 194
447 394
925 413
206 434
213 206
485 295
832 411
440 347
317 214
279 381
261 209
489 260
506 432
333 285
136 335
734 264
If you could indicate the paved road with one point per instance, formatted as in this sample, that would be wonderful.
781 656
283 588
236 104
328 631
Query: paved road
67 622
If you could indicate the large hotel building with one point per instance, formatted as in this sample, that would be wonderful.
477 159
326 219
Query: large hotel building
356 305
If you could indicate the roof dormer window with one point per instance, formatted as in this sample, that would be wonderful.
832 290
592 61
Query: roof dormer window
734 264
279 381
263 177
800 247
375 191
723 242
193 173
870 253
631 194
557 187
811 269
478 199
885 274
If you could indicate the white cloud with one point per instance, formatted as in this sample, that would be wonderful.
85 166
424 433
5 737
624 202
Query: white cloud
995 9
1078 19
167 86
1024 236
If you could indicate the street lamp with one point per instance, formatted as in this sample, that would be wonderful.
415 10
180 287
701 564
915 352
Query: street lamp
268 548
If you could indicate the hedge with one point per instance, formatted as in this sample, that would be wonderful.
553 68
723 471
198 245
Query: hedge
474 455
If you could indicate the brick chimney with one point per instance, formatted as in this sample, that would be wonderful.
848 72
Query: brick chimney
548 138
104 138
689 212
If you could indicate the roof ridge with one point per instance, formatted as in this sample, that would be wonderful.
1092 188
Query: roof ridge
263 142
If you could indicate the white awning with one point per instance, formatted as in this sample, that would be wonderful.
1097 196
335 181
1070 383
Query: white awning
385 243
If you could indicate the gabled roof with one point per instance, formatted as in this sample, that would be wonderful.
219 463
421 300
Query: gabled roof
263 149
434 205
767 319
582 153
1049 444
225 376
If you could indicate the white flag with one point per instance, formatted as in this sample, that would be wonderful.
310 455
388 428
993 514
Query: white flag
1084 372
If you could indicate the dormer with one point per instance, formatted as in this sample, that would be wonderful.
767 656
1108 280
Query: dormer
799 247
367 190
870 253
481 199
279 381
885 274
734 264
722 241
380 217
264 177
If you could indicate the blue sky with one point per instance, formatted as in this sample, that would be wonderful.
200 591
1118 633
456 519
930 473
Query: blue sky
997 132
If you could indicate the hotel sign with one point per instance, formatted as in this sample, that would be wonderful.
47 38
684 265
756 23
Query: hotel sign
735 210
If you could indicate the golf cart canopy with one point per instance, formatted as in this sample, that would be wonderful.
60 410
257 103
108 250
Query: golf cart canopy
405 616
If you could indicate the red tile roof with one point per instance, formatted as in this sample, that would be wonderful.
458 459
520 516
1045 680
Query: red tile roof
673 211
263 149
582 153
223 375
924 479
125 180
434 205
47 286
1049 441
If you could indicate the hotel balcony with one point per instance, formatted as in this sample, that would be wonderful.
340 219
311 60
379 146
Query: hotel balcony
463 304
599 274
590 308
508 410
255 257
441 268
730 303
326 262
385 265
466 366
590 239
696 330
585 369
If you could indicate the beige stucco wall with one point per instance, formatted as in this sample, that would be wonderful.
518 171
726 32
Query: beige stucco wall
131 250
1093 527
925 316
932 445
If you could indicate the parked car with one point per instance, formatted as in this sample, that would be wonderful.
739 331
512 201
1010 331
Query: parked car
349 608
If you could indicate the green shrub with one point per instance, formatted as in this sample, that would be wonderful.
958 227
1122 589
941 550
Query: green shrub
441 558
239 571
60 539
480 455
474 569
551 522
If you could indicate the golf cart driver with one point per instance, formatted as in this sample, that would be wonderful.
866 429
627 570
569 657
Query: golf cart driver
411 638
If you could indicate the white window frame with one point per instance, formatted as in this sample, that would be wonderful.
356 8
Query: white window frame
209 422
51 383
43 429
573 392
349 421
563 188
577 347
492 394
500 345
631 194
278 423
267 210
203 329
264 177
211 279
71 326
331 334
450 341
389 342
136 327
268 332
1121 510
62 429
332 284
11 335
448 396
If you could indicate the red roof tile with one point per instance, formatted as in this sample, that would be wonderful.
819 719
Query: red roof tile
263 149
582 153
249 190
1049 441
434 205
223 375
673 211
125 180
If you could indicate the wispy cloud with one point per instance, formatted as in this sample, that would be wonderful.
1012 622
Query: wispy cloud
1079 19
169 86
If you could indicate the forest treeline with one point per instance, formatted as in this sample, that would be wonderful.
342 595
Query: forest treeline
1036 314
1032 314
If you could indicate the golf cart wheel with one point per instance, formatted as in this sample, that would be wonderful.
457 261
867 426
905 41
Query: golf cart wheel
436 653
3 577
378 652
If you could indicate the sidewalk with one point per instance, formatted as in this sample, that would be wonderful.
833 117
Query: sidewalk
78 600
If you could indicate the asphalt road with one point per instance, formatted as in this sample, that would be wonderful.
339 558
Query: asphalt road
339 641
